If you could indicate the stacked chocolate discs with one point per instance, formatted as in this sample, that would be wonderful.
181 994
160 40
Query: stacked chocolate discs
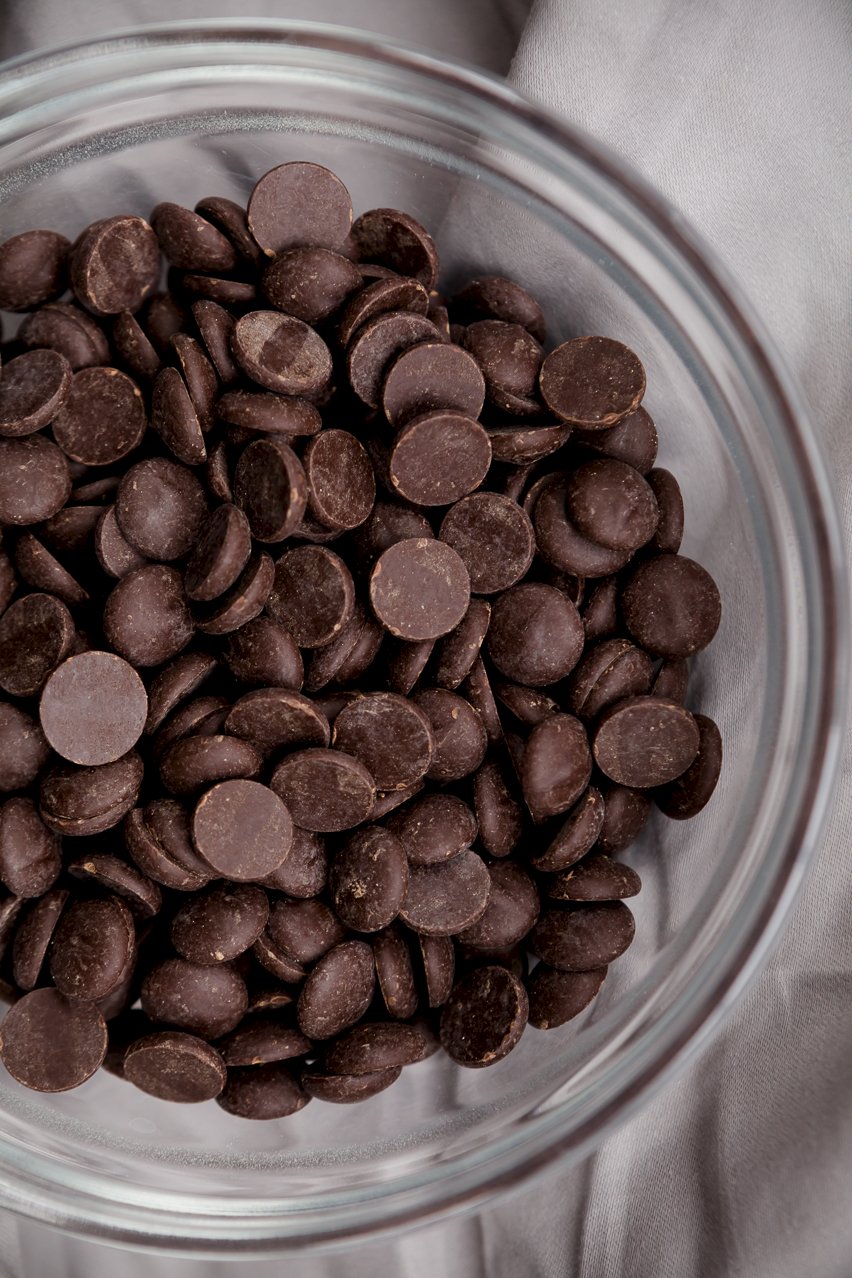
343 649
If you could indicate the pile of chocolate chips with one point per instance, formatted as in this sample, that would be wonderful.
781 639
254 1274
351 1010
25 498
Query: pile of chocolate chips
343 648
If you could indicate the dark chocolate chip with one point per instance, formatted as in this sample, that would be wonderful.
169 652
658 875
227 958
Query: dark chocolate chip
535 636
271 487
143 897
263 652
419 589
174 418
175 1067
556 766
395 973
338 991
645 742
33 390
633 440
216 926
242 830
160 508
368 880
281 353
36 634
325 790
190 241
445 898
512 910
394 239
51 1043
93 948
484 1017
579 832
115 264
557 997
146 618
495 297
610 503
23 749
377 344
296 204
460 739
204 1000
34 480
596 878
592 382
498 812
685 797
30 858
580 937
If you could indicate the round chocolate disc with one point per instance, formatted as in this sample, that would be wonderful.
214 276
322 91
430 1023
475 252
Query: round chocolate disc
242 830
556 765
313 595
577 938
299 203
175 1067
494 538
394 239
93 948
93 708
51 1043
341 483
281 353
219 924
369 879
445 898
557 997
115 264
160 507
310 283
685 797
206 1000
645 742
419 589
34 480
484 1018
377 344
33 389
439 457
459 736
338 991
325 790
278 718
592 382
671 606
102 419
536 635
271 487
390 735
610 503
146 618
433 375
36 633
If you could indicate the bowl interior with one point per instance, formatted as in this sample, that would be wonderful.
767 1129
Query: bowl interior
192 118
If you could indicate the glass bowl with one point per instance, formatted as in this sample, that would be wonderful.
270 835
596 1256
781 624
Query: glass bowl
184 111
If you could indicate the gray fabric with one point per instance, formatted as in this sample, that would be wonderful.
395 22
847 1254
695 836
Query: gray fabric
740 114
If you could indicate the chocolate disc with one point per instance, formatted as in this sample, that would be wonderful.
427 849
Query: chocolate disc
242 830
369 879
581 937
115 263
396 240
419 589
102 419
93 708
325 790
270 486
433 375
494 538
645 741
281 353
445 898
175 1067
484 1018
338 991
341 483
390 735
33 390
535 636
297 204
51 1043
36 633
439 457
671 606
592 382
34 480
160 508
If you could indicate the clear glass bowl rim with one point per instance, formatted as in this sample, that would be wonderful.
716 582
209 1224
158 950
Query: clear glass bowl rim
35 1192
